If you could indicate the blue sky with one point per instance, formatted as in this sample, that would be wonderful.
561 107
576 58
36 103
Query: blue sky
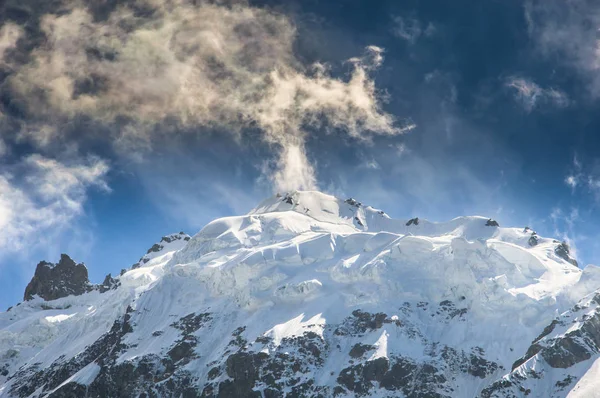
420 108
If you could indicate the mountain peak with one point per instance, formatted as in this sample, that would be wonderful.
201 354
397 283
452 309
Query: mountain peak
322 207
350 212
313 295
53 281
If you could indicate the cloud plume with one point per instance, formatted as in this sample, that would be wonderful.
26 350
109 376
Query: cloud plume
151 66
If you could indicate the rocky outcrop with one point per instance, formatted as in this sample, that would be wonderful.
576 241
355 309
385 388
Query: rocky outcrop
109 283
255 367
412 221
353 202
492 223
54 281
563 251
533 240
564 345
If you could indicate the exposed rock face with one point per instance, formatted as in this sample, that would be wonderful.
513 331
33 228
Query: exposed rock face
492 223
563 345
563 251
54 281
533 240
257 367
353 202
108 284
412 221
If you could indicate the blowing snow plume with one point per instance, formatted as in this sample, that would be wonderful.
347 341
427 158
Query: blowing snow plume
144 66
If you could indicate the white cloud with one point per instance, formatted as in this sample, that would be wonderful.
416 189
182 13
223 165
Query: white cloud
42 196
9 35
228 67
531 95
572 181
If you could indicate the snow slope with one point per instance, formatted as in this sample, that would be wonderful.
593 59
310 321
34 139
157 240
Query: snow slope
311 295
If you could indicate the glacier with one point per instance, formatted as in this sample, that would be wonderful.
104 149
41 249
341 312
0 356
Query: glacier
309 295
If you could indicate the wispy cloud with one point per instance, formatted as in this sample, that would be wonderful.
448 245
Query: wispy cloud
40 196
410 29
575 177
572 181
564 223
584 179
530 95
567 31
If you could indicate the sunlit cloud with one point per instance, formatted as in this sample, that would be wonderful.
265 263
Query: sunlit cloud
186 67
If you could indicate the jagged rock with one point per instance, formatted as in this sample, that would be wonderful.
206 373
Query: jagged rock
358 350
54 281
492 223
472 363
353 202
108 284
155 248
576 346
360 322
563 251
533 240
412 379
412 221
359 378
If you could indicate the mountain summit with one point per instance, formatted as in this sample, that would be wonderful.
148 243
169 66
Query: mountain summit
309 295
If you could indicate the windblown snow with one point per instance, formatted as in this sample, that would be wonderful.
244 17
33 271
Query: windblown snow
457 303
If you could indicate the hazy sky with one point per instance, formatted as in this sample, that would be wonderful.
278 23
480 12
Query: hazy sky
125 120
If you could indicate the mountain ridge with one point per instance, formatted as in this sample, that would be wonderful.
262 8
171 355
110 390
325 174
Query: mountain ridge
311 295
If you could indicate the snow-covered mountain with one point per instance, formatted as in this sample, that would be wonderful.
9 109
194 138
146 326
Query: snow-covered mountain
313 296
